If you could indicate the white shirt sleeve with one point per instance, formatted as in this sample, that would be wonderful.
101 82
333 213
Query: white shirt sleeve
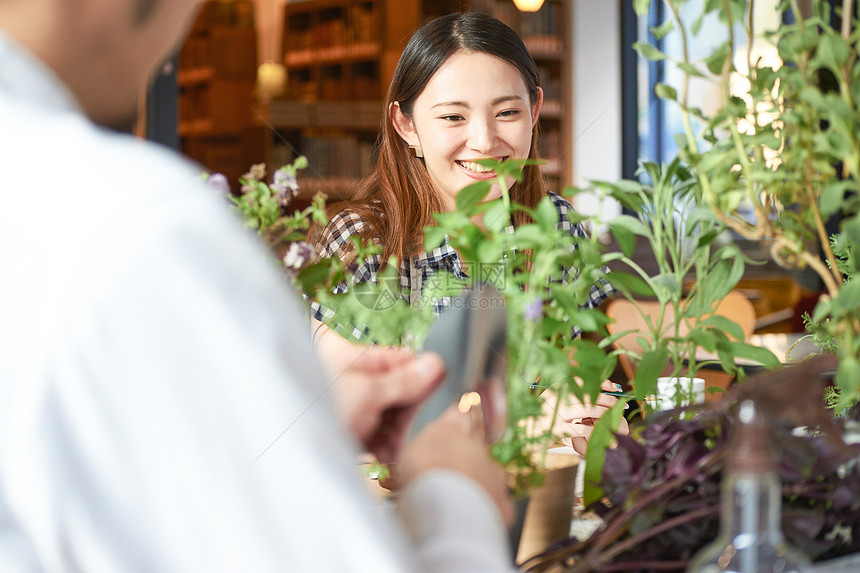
454 524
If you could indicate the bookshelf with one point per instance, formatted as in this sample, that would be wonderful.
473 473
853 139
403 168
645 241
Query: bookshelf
217 67
340 56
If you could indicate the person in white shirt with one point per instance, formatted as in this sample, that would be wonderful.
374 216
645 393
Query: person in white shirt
161 406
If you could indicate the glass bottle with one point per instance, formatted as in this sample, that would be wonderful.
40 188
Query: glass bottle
750 538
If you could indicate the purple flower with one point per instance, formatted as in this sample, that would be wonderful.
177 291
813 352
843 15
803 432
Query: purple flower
533 311
298 254
218 183
285 185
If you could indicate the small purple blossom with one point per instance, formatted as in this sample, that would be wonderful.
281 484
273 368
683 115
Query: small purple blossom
285 185
533 311
218 183
298 254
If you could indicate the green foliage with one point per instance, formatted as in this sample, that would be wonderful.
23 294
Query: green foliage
785 145
602 437
686 244
529 265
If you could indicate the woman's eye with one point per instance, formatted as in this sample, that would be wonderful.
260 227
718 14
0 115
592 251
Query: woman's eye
509 113
452 117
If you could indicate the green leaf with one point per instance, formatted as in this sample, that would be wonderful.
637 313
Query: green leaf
470 195
699 215
632 224
847 299
707 340
722 278
650 367
690 70
649 52
664 91
666 286
592 365
832 196
852 229
317 274
433 237
663 29
847 375
822 310
726 356
528 236
716 159
625 239
546 215
833 51
496 217
489 252
630 282
589 319
718 58
602 438
697 24
757 354
725 324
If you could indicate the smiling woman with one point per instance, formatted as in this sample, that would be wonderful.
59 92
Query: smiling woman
465 95
465 89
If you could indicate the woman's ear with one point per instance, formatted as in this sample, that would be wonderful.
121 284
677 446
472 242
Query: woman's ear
536 107
403 124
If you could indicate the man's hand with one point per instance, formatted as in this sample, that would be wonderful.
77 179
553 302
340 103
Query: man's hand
380 392
451 443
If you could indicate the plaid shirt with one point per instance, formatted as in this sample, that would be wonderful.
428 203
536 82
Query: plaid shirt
415 272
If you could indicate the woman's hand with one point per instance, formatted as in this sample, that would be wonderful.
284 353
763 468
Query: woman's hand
575 419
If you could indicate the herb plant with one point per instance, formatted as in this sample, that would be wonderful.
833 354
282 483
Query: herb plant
696 269
549 363
783 145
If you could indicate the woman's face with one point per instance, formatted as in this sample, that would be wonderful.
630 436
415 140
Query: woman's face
476 106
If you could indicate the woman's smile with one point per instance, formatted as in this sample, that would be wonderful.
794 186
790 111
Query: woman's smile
476 170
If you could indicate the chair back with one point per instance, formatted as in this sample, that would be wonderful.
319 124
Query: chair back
637 323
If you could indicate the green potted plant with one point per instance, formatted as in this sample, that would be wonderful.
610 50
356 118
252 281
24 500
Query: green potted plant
780 156
783 147
545 311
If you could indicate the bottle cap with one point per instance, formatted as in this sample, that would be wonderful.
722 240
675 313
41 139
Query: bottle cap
750 450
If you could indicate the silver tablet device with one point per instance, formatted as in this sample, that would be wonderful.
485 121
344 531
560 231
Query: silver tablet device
471 338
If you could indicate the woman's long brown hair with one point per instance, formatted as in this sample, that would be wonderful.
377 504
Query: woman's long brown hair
398 199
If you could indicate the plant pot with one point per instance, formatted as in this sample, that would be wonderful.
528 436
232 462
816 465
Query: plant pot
544 517
677 391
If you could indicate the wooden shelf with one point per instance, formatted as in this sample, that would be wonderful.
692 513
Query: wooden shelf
333 54
358 115
551 109
200 126
545 47
191 76
217 68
